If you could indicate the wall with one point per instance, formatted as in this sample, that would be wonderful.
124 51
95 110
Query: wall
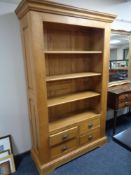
121 8
13 103
120 52
113 54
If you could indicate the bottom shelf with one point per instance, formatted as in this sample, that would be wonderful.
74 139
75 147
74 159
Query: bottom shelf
71 119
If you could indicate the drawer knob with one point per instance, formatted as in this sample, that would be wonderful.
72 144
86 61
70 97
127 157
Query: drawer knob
64 148
65 136
90 125
90 137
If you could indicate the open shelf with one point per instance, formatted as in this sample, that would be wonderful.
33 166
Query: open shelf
71 98
71 119
71 76
72 52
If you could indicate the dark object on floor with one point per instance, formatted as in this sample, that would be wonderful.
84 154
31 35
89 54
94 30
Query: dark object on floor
124 138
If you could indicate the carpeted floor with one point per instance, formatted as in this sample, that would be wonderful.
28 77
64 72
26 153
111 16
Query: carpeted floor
111 159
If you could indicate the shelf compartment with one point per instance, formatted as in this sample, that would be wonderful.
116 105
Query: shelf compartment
72 119
71 97
63 37
62 64
71 76
72 52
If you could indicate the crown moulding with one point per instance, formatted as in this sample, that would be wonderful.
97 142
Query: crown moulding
61 9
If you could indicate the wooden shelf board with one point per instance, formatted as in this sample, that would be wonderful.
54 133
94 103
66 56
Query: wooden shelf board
71 119
71 76
71 97
72 52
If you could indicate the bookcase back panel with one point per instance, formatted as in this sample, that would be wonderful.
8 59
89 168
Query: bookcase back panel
58 64
64 111
59 88
97 39
72 38
96 63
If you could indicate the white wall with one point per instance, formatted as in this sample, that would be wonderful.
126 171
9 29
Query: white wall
120 52
13 101
113 54
121 8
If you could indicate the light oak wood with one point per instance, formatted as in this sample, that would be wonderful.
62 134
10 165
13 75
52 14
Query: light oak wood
69 121
88 125
71 76
90 136
63 136
61 9
66 52
71 98
63 148
72 52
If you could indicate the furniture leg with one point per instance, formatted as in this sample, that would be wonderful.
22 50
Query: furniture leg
114 122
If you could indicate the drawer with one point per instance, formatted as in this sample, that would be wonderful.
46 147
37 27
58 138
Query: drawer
90 137
89 125
124 97
63 136
63 148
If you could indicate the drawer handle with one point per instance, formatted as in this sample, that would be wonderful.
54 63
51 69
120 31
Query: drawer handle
64 148
65 136
90 137
90 125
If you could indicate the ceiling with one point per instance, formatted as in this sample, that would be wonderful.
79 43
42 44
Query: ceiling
122 40
18 1
11 1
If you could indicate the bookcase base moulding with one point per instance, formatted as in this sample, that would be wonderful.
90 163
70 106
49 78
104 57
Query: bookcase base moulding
50 166
66 51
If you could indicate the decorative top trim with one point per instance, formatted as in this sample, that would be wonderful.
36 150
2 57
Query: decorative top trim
61 9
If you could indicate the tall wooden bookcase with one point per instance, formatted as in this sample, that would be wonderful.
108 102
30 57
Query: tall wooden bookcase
66 52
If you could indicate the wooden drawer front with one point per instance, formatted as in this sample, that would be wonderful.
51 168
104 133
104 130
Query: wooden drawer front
63 148
63 136
124 104
124 97
89 125
90 137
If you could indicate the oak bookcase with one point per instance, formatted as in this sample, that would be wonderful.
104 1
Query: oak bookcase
66 52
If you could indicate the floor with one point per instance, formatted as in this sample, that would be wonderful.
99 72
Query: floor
111 159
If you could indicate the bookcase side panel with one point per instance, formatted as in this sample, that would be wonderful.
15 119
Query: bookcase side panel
105 73
36 87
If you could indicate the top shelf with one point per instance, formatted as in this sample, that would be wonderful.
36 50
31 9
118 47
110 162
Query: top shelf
72 52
